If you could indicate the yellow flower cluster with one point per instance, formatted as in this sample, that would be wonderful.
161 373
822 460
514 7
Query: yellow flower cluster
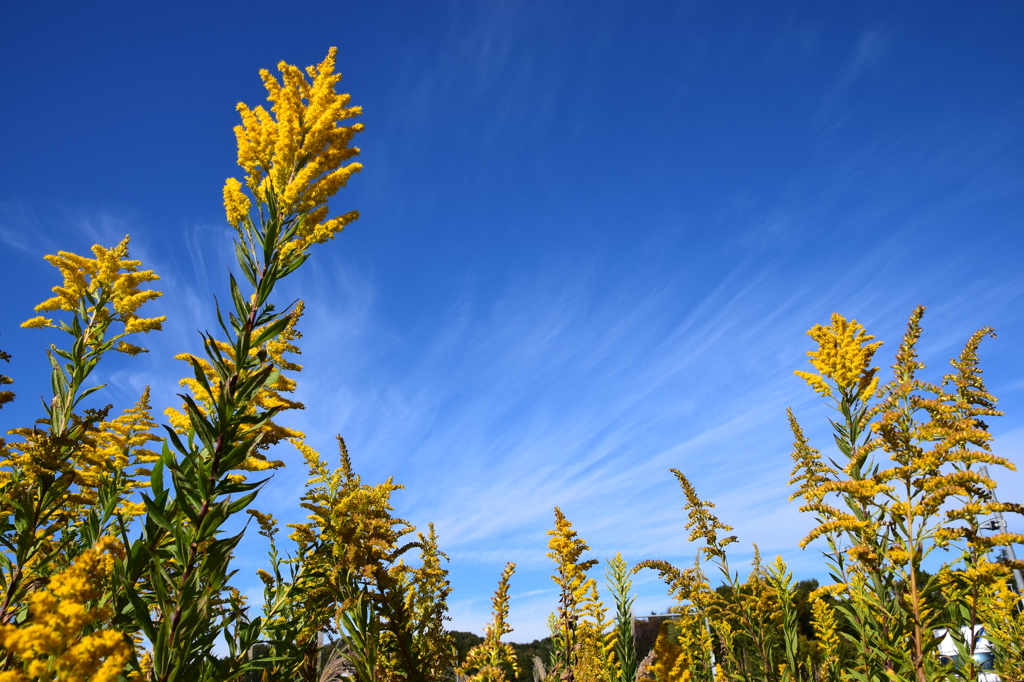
103 452
109 277
122 443
355 517
843 356
493 660
566 549
586 646
298 156
268 397
701 523
54 644
826 631
809 471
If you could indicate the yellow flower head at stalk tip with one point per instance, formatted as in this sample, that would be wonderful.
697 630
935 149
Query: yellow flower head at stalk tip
566 549
702 524
843 356
112 281
298 154
826 628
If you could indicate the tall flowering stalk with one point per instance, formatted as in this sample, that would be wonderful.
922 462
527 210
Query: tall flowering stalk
928 499
66 470
176 574
79 487
752 623
827 634
578 629
686 648
493 660
619 583
348 577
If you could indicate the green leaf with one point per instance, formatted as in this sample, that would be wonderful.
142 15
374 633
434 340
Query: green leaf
271 330
155 512
237 454
242 502
89 391
176 441
215 516
140 613
204 429
241 304
156 473
230 488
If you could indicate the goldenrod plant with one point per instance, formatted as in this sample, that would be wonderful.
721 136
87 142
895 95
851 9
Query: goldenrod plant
176 575
826 632
746 615
927 499
64 483
906 486
494 660
64 637
620 585
76 482
583 645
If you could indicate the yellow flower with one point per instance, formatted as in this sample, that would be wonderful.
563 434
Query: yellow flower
810 472
566 549
236 203
825 630
843 356
129 349
702 524
298 155
107 286
267 522
37 322
493 660
56 643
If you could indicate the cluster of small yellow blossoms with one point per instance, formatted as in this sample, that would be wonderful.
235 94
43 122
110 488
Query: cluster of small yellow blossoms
701 523
53 645
38 457
354 518
122 444
843 356
581 619
566 549
110 448
810 472
493 660
268 397
110 278
826 631
298 156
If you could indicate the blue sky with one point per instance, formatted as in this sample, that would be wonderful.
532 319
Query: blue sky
592 237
